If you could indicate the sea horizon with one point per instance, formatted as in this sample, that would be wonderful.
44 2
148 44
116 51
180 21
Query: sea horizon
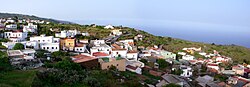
191 31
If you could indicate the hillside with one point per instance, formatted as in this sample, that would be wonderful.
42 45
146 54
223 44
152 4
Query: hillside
21 16
237 53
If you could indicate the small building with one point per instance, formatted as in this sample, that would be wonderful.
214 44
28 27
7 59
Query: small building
11 27
187 71
68 44
86 60
213 66
167 55
135 69
16 36
188 57
119 63
67 33
109 27
30 28
116 32
238 69
132 55
80 47
21 57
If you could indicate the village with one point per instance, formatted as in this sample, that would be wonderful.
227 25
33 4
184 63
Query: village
189 67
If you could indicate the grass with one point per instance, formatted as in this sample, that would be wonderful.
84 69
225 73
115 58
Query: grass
17 78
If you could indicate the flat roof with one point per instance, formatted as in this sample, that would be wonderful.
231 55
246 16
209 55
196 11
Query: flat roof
28 51
14 52
82 58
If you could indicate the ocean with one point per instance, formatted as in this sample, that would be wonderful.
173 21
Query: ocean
192 31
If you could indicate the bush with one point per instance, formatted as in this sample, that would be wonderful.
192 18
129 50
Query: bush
18 46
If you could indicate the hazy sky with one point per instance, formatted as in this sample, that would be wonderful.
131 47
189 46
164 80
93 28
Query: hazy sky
220 21
227 12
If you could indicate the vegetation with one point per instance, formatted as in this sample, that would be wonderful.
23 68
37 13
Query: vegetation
67 73
162 63
4 62
18 46
17 78
177 72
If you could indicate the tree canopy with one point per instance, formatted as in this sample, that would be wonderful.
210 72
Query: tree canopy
18 46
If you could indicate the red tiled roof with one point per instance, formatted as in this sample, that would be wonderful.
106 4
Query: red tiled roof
212 64
83 58
98 54
116 46
131 67
118 49
132 51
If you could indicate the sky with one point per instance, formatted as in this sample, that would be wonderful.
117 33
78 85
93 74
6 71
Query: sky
229 17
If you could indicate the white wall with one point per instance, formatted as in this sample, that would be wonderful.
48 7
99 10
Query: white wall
51 47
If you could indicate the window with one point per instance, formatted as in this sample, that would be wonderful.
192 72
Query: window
52 47
117 64
107 49
47 47
38 40
117 52
43 47
81 49
107 66
43 40
56 47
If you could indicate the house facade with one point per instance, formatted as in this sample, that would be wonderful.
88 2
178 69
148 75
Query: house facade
16 36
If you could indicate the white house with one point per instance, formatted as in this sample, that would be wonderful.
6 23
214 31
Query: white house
30 28
97 42
79 47
132 55
144 53
101 48
109 27
213 66
45 39
188 57
129 41
10 21
85 34
51 47
16 36
48 43
119 53
116 32
10 27
67 33
182 53
187 71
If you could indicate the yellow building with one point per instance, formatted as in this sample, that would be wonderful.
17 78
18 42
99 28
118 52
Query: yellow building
68 44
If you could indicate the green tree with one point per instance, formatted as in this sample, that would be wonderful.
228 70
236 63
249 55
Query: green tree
18 46
162 63
59 55
4 62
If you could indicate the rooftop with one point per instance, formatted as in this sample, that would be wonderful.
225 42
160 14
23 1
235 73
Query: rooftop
82 58
99 54
14 52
